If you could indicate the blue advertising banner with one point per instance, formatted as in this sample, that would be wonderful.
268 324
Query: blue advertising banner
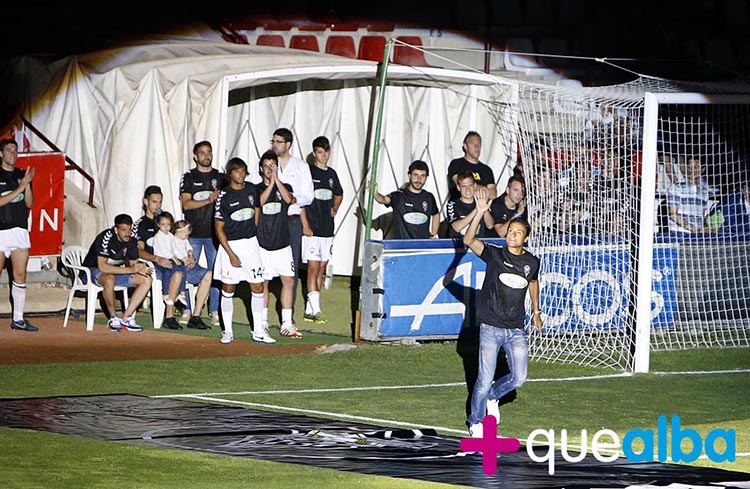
428 293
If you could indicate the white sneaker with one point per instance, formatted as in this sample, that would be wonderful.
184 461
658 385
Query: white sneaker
475 430
226 337
290 331
493 409
264 337
215 319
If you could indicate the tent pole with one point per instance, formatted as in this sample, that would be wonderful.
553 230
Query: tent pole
373 170
376 146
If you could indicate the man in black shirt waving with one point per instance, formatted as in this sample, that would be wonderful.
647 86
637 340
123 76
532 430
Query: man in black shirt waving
511 270
415 211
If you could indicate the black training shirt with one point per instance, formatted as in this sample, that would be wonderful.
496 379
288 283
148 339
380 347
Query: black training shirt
108 245
14 214
326 184
236 209
200 185
273 230
412 213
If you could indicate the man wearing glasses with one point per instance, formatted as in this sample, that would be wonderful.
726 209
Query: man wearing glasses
296 173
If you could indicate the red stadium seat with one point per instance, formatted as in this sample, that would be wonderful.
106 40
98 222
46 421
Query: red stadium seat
308 42
371 48
276 40
341 46
407 55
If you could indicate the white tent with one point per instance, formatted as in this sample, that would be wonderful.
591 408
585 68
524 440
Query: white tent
130 116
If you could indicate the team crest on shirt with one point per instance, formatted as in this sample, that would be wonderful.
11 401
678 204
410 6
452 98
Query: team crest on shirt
251 200
424 205
526 270
330 182
278 195
214 183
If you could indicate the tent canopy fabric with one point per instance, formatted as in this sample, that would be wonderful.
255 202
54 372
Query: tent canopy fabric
130 117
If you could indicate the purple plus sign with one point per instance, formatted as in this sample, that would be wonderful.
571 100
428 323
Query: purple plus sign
490 445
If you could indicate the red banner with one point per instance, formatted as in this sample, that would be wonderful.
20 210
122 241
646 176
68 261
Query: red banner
47 214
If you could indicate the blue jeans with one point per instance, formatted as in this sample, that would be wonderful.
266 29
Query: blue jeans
207 244
491 339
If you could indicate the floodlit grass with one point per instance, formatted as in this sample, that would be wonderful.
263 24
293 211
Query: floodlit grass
31 459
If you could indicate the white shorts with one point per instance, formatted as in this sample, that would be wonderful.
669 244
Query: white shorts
251 268
315 248
277 263
14 239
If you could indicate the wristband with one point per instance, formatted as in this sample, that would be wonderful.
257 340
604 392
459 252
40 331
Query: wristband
518 214
537 312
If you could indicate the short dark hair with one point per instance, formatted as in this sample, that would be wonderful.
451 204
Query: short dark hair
284 133
167 215
235 164
464 175
268 155
522 221
123 219
470 134
6 142
321 142
201 143
151 190
517 178
419 165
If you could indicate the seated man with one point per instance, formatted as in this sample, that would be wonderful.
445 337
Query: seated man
113 260
688 201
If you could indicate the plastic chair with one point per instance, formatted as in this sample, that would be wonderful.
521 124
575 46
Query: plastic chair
371 48
407 55
308 42
341 46
158 308
276 40
72 258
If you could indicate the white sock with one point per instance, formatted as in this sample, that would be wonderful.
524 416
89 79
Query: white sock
286 317
18 292
256 310
264 315
227 310
308 306
314 301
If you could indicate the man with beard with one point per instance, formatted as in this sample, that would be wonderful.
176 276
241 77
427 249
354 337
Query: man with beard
415 211
510 205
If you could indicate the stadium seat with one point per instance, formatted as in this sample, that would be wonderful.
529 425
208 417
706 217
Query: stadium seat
407 55
371 48
307 42
276 40
341 46
72 258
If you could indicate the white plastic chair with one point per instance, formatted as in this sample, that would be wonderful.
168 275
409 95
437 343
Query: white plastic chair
72 257
158 307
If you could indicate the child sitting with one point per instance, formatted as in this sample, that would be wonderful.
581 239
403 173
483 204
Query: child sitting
165 246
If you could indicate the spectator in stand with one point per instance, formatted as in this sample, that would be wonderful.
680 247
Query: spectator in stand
688 201
609 195
199 189
415 211
318 226
296 173
238 259
461 211
15 202
736 211
510 205
275 198
113 260
470 162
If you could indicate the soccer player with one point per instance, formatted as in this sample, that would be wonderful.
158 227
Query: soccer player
16 199
511 271
415 211
238 259
113 260
274 238
317 226
461 211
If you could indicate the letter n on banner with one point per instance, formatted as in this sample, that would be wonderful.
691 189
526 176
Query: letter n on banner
47 214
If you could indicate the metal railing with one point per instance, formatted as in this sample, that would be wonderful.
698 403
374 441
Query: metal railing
71 165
